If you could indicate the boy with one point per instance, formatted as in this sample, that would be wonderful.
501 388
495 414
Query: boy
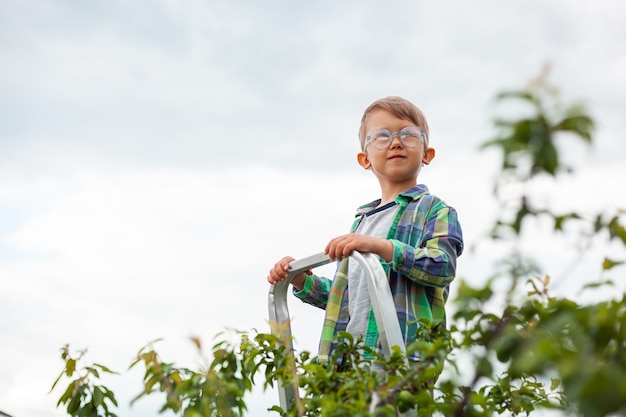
415 234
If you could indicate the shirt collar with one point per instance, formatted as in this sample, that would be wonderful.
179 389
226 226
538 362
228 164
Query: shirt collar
411 194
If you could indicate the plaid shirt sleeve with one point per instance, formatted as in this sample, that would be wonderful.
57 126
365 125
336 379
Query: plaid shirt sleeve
430 257
315 291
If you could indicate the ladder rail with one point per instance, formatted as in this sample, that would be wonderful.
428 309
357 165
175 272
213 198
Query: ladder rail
380 296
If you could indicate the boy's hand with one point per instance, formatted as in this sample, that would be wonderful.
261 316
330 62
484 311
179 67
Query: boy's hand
280 272
342 246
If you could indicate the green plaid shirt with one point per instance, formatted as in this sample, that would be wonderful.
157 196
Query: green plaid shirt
427 239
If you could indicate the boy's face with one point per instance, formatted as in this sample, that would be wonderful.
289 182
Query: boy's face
398 165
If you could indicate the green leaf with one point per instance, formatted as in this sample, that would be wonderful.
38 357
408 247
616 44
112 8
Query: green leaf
609 263
98 396
547 158
581 125
523 95
104 368
617 230
559 221
110 395
75 400
67 394
92 371
56 381
70 367
519 217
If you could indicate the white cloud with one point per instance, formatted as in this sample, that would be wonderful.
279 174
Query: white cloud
157 159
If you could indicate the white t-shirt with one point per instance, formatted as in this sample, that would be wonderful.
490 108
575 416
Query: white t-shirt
377 223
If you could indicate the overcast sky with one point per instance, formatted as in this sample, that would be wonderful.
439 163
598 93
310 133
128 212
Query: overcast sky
157 157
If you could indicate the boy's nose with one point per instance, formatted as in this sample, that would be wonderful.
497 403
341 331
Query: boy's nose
394 142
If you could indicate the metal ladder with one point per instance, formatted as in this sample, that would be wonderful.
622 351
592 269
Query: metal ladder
380 295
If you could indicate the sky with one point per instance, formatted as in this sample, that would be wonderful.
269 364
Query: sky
157 158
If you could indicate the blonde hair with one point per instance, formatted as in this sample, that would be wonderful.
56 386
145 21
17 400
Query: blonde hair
399 107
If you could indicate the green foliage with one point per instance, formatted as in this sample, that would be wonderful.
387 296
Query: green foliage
538 352
580 346
216 390
82 397
529 144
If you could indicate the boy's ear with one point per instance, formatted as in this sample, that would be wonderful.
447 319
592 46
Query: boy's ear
363 160
429 155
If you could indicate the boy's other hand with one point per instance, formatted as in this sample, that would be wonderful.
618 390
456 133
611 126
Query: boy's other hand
280 272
